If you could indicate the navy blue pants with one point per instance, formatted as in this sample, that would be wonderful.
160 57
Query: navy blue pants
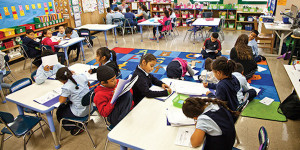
64 111
210 55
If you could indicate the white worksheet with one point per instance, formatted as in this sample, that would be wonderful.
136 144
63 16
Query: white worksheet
50 60
183 137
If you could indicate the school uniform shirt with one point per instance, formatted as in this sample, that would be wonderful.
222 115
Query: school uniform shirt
226 90
130 16
212 45
111 64
249 65
172 16
243 86
218 125
48 41
208 76
163 23
76 95
109 18
119 16
73 35
142 85
123 8
42 75
253 45
33 47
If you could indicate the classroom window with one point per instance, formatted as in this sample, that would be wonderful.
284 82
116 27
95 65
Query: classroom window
210 1
252 1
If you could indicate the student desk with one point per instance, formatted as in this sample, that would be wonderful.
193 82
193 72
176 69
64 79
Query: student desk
100 27
150 22
70 42
202 22
294 76
24 99
145 127
285 30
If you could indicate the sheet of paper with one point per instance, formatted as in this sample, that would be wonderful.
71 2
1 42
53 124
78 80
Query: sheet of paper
177 118
123 87
252 87
261 69
50 60
56 38
45 98
197 55
209 51
157 88
196 78
266 101
198 89
183 137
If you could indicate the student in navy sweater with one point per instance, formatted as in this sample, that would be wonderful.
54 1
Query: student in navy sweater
214 123
131 17
228 85
212 47
33 47
145 80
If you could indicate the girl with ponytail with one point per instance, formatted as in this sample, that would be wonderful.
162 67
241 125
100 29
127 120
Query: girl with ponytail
104 56
74 89
228 85
213 121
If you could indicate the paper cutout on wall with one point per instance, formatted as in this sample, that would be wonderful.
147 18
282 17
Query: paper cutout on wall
0 16
89 5
27 7
46 10
13 8
106 3
45 5
15 16
39 5
6 11
50 6
21 10
74 2
100 6
281 2
33 6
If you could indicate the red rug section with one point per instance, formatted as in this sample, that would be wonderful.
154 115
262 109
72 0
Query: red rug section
122 50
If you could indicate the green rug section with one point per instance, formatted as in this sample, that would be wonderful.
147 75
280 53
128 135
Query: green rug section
255 109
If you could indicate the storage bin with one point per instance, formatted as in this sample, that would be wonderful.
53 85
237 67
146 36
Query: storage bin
252 10
56 22
177 15
154 8
221 6
161 9
242 19
50 23
250 19
200 6
179 100
248 27
2 35
39 25
9 44
184 24
231 25
245 9
2 48
239 27
8 32
231 16
37 19
214 6
222 16
29 26
228 6
199 16
191 15
184 15
19 29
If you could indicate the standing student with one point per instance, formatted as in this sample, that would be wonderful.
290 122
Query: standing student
145 80
44 72
212 47
144 13
106 57
242 53
177 69
104 93
163 27
109 16
33 50
70 34
74 89
214 123
123 6
253 44
47 34
228 85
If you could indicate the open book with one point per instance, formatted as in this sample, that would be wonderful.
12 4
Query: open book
50 99
123 87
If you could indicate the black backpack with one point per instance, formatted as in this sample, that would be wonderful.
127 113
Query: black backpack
290 107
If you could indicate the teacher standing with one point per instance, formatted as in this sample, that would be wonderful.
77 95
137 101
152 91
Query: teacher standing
123 6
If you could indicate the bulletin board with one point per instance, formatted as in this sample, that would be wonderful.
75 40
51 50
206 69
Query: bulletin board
18 12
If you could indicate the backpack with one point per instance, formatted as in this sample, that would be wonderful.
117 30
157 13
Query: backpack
290 107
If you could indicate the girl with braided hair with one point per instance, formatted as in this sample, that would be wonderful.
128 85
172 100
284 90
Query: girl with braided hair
74 89
213 121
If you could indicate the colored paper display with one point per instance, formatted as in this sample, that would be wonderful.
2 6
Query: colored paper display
6 11
281 2
22 13
50 4
13 8
45 5
15 16
39 5
0 16
33 6
27 7
46 10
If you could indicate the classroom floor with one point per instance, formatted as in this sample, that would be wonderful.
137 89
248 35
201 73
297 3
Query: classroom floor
282 135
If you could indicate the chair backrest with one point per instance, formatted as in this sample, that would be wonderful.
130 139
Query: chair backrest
6 58
6 118
263 138
46 47
20 84
83 32
117 21
127 22
104 20
87 100
24 50
32 76
207 14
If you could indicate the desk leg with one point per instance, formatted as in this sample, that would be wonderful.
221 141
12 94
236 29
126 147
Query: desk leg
20 109
141 29
194 29
157 34
82 50
281 43
66 56
52 129
116 35
123 147
105 38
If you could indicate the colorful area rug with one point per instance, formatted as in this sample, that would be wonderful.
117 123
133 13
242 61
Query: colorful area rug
128 59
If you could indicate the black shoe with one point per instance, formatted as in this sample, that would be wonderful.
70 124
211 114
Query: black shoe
75 59
263 58
76 131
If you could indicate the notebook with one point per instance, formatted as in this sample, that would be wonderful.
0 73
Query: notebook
51 98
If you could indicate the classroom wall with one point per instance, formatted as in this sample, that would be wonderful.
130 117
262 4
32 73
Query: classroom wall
287 6
229 1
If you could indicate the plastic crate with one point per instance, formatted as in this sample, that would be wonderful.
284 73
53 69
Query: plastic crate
239 27
184 24
222 6
214 6
39 25
228 6
191 15
242 19
250 19
154 8
248 27
56 21
179 100
50 23
29 26
2 35
184 16
222 16
8 32
19 29
37 20
231 16
231 25
245 9
9 44
2 48
161 9
252 10
199 16
62 20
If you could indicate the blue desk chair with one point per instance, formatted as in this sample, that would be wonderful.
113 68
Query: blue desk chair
174 26
120 23
168 29
263 139
32 76
46 47
86 33
22 125
193 29
127 25
8 71
87 100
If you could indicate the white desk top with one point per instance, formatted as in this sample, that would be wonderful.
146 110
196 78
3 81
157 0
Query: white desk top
146 127
294 76
203 22
68 42
79 68
150 22
283 27
97 27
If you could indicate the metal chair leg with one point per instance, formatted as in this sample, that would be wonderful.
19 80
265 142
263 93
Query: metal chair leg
24 139
185 35
24 64
2 141
237 139
106 143
86 130
59 131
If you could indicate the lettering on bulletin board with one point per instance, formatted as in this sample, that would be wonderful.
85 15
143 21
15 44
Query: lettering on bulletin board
27 7
281 2
39 5
33 6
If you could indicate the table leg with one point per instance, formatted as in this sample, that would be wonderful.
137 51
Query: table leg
52 129
82 50
194 29
123 147
281 43
20 109
66 56
293 50
116 35
141 29
157 34
105 38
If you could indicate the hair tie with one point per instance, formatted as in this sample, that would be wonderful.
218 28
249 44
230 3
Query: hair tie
77 85
65 73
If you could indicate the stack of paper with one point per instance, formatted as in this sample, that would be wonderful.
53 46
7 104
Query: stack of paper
177 118
183 137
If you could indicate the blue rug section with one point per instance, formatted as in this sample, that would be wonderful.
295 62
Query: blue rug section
128 63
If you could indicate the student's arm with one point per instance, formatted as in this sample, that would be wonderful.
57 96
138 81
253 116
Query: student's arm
197 138
42 75
219 47
50 43
65 93
62 99
190 70
244 85
34 43
143 88
155 81
221 93
139 15
103 104
212 86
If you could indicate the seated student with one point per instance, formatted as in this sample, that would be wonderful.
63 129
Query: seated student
118 15
172 16
162 28
47 34
33 47
74 89
207 75
104 93
145 80
106 57
238 73
44 72
228 85
242 53
123 6
139 11
212 47
144 13
109 16
70 34
214 123
177 69
253 44
61 32
131 18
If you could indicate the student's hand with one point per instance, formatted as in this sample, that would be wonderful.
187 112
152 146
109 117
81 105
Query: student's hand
169 90
203 47
216 51
51 67
73 72
59 41
205 84
90 71
47 68
165 86
208 92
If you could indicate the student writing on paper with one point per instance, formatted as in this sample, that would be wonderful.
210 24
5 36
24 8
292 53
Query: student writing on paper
33 47
228 85
44 72
207 75
75 88
177 69
214 123
104 93
142 86
212 47
106 57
